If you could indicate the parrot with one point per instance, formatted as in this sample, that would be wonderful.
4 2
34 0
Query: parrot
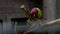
36 12
33 12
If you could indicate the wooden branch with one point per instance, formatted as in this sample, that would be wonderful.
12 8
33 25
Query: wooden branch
51 22
48 23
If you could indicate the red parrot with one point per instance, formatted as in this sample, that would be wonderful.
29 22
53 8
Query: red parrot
36 12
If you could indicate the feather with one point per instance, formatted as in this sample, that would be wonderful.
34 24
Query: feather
39 14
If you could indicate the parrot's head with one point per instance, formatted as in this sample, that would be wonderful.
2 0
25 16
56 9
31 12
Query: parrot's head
34 11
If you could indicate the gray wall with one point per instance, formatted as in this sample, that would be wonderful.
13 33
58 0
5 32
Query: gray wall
50 9
9 9
58 8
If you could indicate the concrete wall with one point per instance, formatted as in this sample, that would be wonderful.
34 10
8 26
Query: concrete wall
50 9
58 8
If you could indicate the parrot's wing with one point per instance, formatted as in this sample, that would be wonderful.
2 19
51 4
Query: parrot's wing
39 13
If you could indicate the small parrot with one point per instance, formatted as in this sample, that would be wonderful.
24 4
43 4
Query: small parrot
36 12
33 12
